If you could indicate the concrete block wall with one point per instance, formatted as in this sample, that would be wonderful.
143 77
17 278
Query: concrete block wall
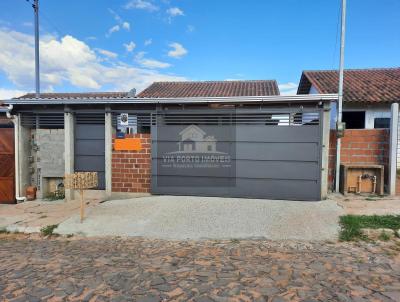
360 146
48 161
131 170
51 152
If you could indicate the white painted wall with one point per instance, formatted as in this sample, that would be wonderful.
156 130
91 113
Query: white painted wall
371 114
371 111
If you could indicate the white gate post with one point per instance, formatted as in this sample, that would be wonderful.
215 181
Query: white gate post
69 156
393 148
108 151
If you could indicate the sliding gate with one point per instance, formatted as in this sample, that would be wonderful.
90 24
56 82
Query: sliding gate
238 153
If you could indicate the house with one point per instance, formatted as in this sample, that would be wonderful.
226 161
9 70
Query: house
367 96
252 141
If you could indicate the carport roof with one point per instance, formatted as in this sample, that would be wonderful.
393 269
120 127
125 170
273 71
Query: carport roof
76 95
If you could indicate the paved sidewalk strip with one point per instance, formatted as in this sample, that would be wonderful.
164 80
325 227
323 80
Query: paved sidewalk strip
134 269
190 217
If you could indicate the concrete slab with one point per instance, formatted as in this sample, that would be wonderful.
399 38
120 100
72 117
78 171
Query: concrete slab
31 216
183 217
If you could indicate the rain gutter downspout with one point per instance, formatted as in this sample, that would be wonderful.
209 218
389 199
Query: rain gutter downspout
16 148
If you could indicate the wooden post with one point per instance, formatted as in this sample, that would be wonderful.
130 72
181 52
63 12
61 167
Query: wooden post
82 206
81 181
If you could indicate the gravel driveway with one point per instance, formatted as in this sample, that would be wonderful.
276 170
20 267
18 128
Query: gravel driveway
182 217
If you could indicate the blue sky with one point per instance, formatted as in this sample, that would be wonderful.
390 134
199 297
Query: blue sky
117 45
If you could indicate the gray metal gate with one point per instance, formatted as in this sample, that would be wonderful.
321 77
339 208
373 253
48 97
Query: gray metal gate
238 153
90 145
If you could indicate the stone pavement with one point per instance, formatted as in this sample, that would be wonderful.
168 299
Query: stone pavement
135 269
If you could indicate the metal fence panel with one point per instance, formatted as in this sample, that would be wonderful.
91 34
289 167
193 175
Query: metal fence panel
222 155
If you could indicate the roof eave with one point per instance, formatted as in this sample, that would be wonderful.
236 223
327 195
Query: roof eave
189 100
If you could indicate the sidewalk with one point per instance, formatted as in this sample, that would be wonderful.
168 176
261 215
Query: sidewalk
31 216
367 204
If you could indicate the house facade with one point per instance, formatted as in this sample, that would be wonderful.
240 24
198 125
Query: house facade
228 138
367 98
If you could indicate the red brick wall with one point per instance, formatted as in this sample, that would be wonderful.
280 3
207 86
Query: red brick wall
361 146
131 170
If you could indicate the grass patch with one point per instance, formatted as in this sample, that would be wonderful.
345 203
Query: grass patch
48 230
4 231
56 195
351 225
384 236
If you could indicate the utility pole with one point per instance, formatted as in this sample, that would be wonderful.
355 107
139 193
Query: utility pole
339 125
35 6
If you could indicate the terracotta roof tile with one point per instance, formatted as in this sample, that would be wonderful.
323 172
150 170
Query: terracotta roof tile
210 89
380 85
73 95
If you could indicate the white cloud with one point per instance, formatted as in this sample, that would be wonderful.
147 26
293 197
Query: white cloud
178 51
68 61
130 46
175 11
6 94
107 53
150 63
190 28
112 30
121 23
289 88
126 25
141 4
148 42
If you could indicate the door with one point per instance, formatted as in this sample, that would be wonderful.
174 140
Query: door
90 145
262 153
7 167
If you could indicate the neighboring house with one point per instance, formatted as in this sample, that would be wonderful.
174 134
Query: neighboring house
7 173
368 94
210 89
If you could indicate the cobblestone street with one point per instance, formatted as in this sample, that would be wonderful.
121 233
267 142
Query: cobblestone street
116 269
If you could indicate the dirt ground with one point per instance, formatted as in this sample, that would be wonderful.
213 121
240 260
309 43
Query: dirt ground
367 204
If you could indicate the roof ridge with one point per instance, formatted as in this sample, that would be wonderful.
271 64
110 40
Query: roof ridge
208 81
352 69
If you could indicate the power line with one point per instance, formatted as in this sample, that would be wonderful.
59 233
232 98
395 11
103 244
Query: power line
44 15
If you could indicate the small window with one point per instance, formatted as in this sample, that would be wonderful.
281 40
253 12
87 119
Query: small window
354 119
382 122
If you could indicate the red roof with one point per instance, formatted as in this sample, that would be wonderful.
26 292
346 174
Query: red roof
210 89
380 85
77 95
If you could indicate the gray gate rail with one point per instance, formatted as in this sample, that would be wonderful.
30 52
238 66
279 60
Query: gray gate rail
274 153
